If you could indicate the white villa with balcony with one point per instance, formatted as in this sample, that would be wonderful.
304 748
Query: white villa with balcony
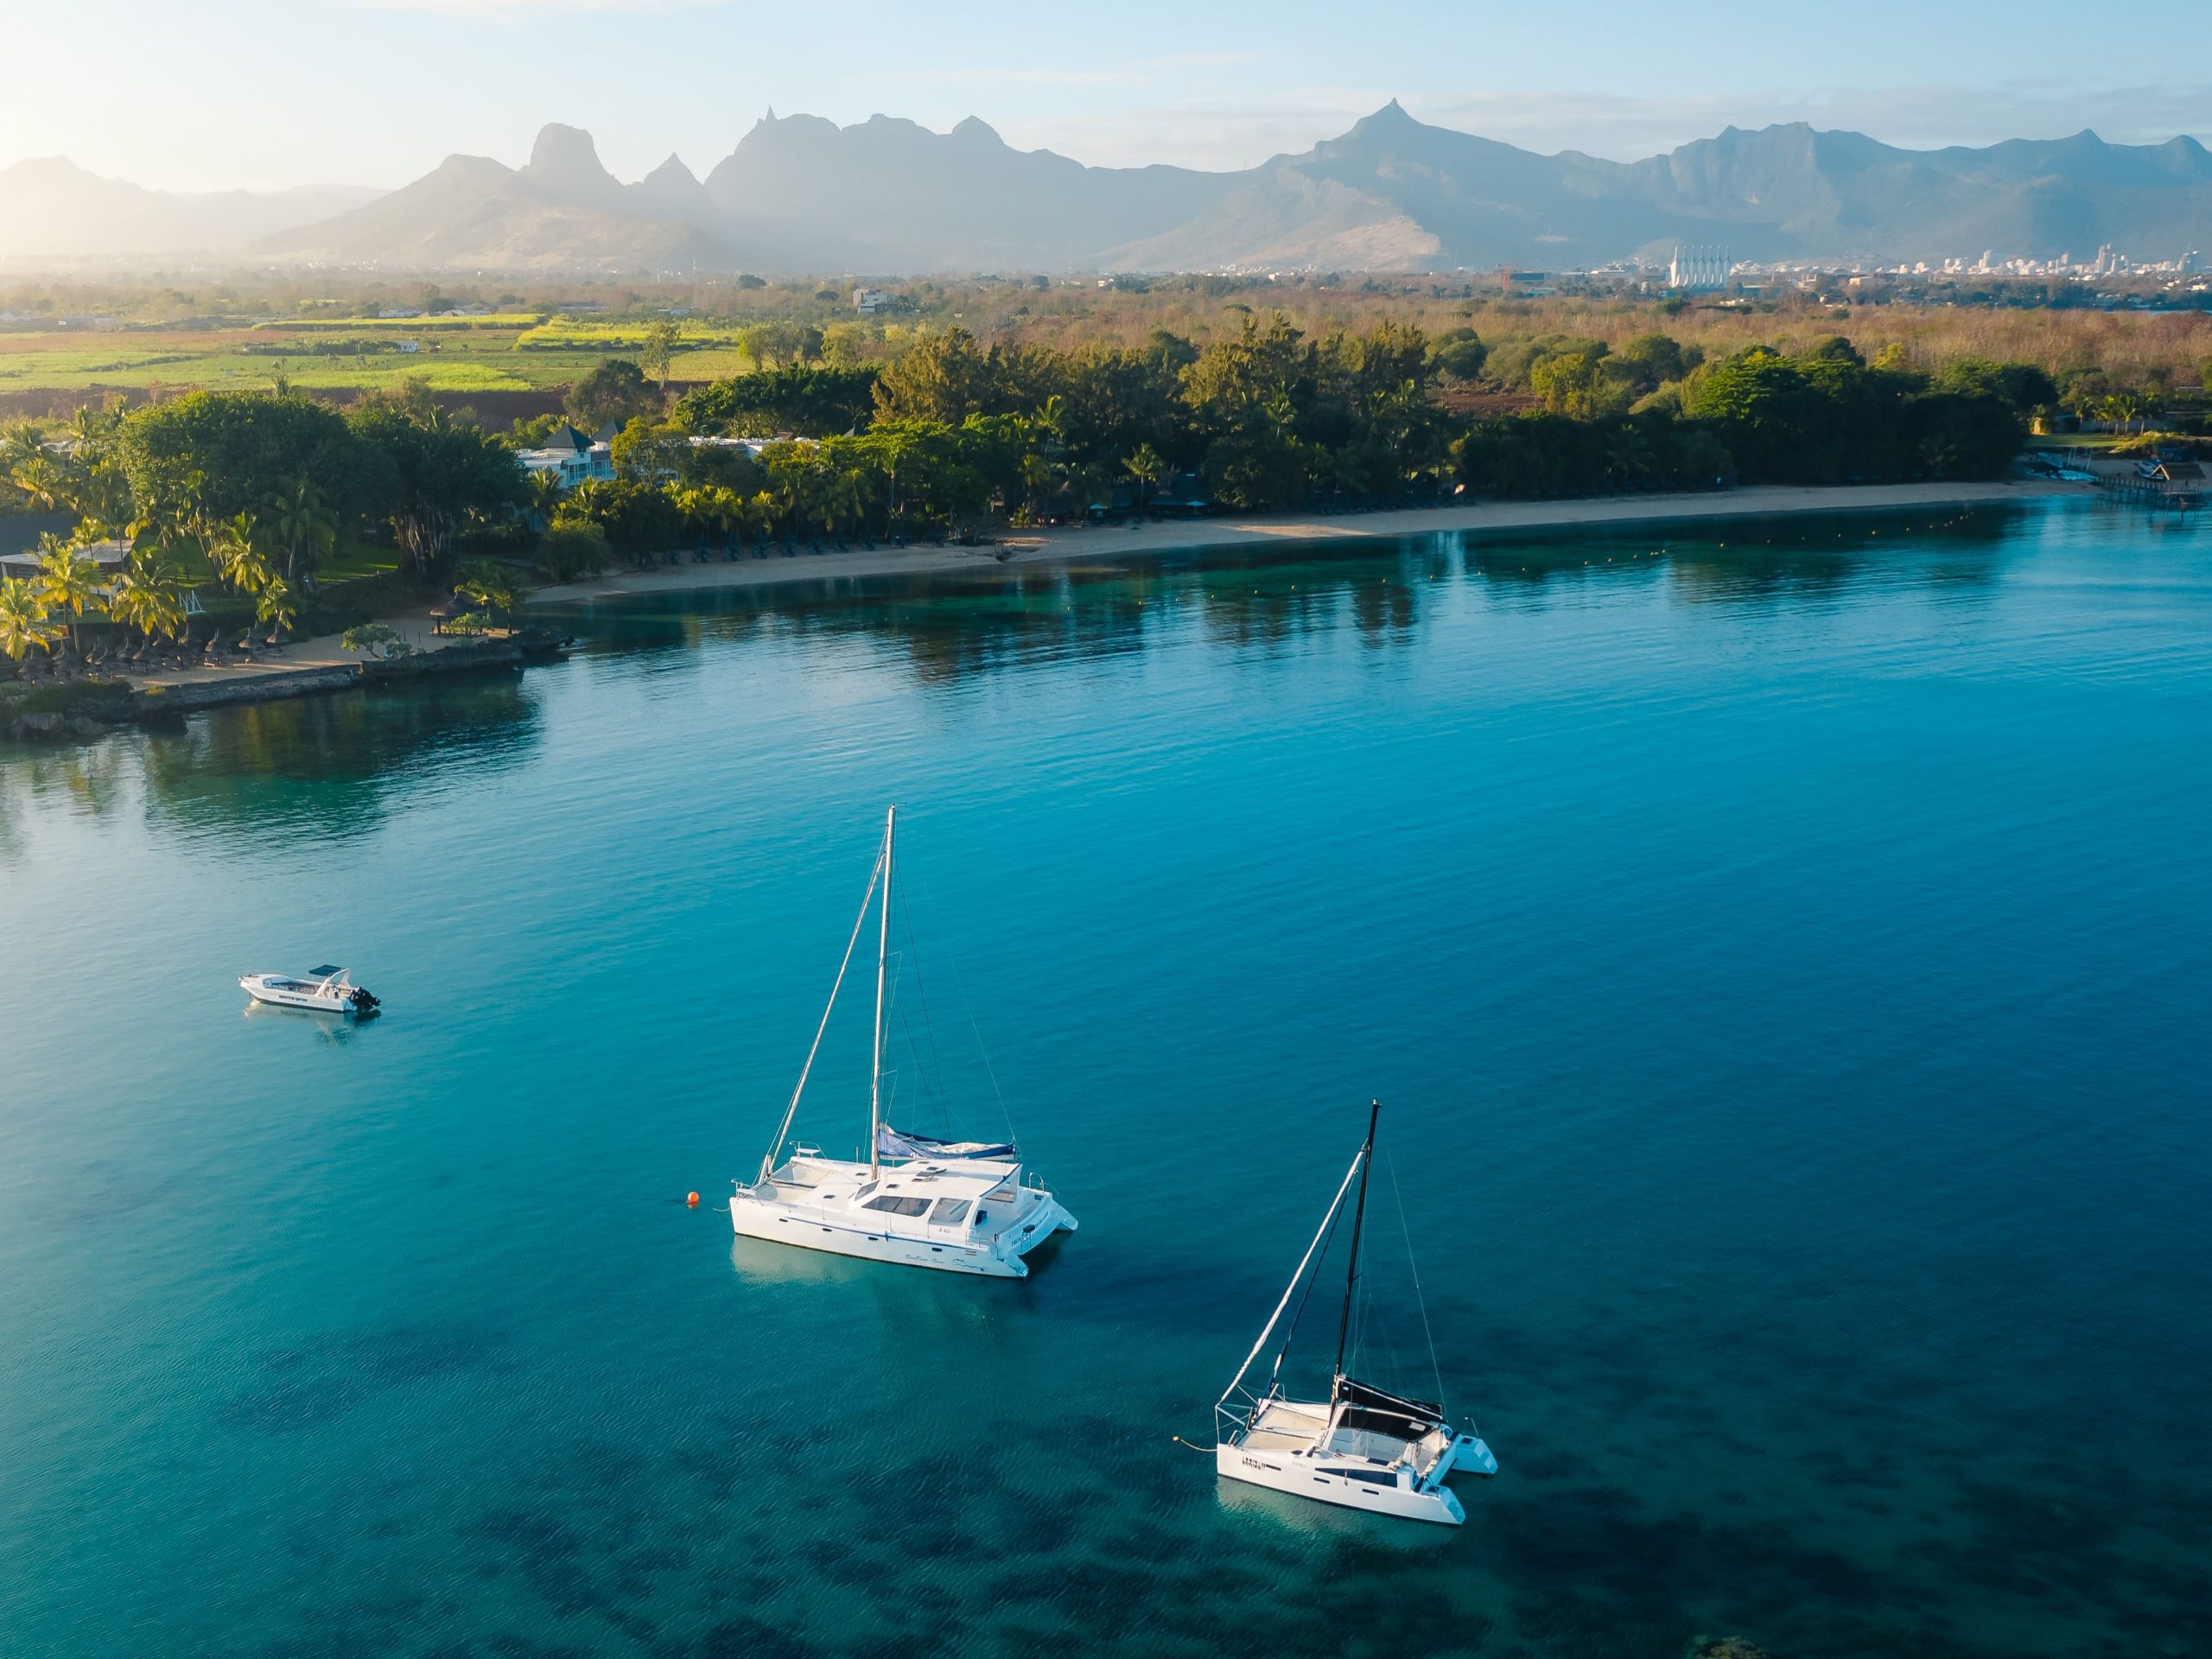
571 456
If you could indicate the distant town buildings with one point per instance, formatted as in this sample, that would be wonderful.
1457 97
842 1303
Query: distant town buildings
2107 262
869 301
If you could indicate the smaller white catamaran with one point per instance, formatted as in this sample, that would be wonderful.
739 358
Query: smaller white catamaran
958 1206
327 990
1361 1448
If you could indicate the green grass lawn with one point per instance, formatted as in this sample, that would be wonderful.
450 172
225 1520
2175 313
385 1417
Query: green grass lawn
354 558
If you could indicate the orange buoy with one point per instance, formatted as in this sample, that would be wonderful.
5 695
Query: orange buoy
691 1198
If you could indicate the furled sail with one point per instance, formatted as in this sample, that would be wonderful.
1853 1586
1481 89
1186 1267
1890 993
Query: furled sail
890 1143
1377 1413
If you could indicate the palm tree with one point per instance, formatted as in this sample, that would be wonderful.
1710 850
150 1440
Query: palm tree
845 499
236 550
69 582
300 522
274 606
19 446
1148 467
1628 456
23 625
1038 477
149 595
1347 473
45 480
2122 407
493 586
545 495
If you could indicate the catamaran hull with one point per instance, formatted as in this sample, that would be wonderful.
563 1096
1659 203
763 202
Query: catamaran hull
1469 1455
807 1232
1305 1478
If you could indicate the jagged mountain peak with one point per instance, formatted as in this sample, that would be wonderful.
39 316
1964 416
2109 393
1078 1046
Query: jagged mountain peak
801 193
1393 114
565 162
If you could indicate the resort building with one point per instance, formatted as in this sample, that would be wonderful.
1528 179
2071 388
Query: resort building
573 458
752 447
110 556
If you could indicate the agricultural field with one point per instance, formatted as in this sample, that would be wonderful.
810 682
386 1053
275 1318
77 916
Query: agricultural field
521 353
514 352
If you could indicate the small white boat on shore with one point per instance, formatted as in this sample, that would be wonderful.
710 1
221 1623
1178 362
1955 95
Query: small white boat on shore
1361 1448
327 990
956 1206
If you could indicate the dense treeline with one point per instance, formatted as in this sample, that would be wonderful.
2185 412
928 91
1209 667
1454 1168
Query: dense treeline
2061 328
258 491
245 493
1271 419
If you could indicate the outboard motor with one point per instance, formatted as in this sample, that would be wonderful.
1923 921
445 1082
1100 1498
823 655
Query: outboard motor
364 1004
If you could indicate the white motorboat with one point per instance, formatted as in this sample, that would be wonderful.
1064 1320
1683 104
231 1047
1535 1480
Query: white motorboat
957 1206
327 990
1362 1448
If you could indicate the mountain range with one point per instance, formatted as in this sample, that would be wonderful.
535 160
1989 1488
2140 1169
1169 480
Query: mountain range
887 196
50 206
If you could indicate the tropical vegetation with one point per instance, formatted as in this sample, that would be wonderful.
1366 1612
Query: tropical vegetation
245 502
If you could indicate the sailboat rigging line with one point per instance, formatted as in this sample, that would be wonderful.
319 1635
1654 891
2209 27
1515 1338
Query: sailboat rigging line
1420 1298
768 1164
1290 1334
1304 1261
921 991
967 1008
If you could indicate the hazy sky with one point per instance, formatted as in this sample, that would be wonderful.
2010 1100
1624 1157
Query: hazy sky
376 92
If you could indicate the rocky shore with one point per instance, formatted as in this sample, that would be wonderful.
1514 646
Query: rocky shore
83 710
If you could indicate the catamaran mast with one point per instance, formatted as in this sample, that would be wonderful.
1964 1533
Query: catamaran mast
882 951
1358 1216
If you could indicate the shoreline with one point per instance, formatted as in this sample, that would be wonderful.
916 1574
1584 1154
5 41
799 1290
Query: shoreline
320 665
1066 544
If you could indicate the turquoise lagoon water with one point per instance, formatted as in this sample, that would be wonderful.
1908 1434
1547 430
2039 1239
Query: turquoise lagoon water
1785 965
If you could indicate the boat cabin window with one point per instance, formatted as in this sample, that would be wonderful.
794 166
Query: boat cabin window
898 1206
865 1191
1377 1478
950 1213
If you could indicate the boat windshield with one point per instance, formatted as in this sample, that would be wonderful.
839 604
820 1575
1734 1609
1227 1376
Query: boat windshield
898 1206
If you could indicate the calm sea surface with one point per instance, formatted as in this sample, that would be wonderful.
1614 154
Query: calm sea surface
1783 952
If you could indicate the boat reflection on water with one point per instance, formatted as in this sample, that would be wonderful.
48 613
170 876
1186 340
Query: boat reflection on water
1295 1513
759 1262
916 1302
327 1028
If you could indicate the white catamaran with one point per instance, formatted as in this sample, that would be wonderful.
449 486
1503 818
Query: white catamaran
959 1206
1360 1447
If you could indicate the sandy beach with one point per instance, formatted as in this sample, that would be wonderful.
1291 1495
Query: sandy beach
1119 542
319 650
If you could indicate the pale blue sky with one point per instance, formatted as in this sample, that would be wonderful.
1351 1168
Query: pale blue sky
376 92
